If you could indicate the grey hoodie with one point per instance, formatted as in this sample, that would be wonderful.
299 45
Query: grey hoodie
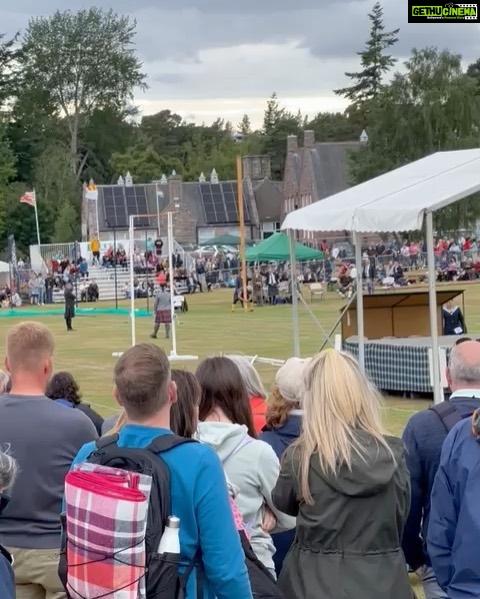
252 467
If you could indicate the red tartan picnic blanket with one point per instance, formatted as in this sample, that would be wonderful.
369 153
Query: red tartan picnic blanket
106 517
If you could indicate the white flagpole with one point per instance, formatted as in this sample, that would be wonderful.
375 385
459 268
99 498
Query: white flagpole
36 216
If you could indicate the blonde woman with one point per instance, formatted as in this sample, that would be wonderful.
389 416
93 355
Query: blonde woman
348 485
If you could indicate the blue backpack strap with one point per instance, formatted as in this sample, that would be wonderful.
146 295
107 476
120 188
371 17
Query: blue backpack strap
448 414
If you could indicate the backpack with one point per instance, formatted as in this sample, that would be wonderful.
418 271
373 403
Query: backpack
114 548
448 414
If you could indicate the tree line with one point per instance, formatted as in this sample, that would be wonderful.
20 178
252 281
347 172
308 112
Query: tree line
67 88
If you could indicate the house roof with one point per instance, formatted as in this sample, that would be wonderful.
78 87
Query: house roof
210 204
268 196
330 167
397 200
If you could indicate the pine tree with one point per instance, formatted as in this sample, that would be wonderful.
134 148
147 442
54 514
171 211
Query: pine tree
374 61
245 127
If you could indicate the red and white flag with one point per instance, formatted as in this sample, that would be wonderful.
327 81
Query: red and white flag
29 198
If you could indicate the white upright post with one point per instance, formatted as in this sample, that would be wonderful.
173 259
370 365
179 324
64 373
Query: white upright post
293 275
432 292
158 208
170 272
131 252
36 217
359 282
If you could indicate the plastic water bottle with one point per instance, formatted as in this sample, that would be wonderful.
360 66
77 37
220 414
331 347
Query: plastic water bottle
170 541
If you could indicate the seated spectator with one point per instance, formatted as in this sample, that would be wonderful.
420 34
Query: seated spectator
283 427
454 526
226 424
424 436
199 495
255 389
44 438
64 389
93 294
347 484
8 472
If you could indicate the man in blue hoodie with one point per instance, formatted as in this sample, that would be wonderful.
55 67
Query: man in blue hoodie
199 495
454 527
424 436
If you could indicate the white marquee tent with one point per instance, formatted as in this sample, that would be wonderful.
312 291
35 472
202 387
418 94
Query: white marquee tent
396 201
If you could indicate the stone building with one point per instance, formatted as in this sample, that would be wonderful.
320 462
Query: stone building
312 172
201 210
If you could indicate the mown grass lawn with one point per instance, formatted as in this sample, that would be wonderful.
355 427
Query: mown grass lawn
209 327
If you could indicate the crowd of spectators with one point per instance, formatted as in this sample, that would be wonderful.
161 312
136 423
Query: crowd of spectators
303 482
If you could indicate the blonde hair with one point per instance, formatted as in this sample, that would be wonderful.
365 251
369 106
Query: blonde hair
121 422
338 401
26 344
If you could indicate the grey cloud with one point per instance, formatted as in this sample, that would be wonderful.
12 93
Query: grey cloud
172 34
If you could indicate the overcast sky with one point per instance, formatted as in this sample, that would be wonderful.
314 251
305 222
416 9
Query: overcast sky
223 58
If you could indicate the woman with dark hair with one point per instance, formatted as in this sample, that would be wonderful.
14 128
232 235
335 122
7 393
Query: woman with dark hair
251 466
184 412
64 389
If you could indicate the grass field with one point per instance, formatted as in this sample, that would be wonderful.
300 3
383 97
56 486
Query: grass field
209 327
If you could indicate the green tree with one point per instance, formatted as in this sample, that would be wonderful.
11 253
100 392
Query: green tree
278 123
375 63
66 224
245 126
82 62
334 126
430 107
9 72
7 173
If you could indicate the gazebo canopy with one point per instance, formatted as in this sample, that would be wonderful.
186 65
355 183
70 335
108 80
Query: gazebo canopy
277 247
395 201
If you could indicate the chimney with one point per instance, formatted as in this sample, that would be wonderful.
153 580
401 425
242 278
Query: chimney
202 178
214 177
292 144
128 180
175 188
309 139
257 168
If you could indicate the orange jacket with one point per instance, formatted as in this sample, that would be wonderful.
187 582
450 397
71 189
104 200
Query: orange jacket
259 410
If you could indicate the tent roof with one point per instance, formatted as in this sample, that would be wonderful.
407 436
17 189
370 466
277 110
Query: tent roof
277 247
395 201
406 299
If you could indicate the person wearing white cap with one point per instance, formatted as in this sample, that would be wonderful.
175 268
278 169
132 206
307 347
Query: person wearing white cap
283 426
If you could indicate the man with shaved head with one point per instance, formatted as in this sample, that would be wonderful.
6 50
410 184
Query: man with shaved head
424 436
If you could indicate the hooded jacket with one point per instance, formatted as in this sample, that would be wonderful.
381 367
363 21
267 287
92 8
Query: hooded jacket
348 543
252 467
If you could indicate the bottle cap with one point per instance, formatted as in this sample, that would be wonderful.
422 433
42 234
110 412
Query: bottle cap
173 522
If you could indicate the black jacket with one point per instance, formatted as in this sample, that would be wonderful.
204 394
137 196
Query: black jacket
69 304
348 544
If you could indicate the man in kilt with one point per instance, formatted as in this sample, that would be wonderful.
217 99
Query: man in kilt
162 311
70 301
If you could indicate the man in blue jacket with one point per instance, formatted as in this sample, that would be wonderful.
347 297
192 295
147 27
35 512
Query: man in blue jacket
199 495
424 436
454 527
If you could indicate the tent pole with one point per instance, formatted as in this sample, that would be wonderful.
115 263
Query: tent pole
360 323
432 292
293 275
